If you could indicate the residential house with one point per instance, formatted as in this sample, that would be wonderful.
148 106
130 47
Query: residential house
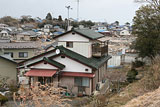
79 62
4 34
8 69
101 29
124 32
26 36
3 25
47 28
28 26
57 30
19 51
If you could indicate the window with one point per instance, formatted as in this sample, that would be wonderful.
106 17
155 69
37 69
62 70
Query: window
81 81
9 53
62 56
45 62
23 54
69 44
21 38
44 80
86 69
73 33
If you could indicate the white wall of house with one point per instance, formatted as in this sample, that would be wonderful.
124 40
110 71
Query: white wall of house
72 66
73 37
81 44
124 33
102 28
21 37
82 48
43 66
46 30
39 58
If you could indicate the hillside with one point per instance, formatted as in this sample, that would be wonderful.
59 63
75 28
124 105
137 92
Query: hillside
141 93
151 99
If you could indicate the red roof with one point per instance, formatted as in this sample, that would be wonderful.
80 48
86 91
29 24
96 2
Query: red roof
73 74
40 73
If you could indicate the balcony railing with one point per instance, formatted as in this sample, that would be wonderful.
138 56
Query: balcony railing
100 49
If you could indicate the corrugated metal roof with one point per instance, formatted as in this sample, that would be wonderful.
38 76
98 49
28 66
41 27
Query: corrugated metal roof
40 73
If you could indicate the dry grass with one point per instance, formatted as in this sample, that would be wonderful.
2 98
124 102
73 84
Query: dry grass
148 83
151 99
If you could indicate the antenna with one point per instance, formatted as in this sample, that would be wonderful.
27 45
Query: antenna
77 10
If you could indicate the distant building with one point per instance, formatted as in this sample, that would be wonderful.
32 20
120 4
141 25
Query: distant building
4 34
25 36
19 51
8 69
47 28
3 25
28 26
124 33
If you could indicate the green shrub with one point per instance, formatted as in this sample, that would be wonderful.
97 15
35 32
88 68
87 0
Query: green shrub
131 75
137 64
3 99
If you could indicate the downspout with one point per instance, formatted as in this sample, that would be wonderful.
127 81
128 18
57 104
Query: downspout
92 86
58 76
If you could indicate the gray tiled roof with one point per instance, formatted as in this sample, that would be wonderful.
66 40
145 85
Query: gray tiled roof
29 33
51 45
19 45
4 40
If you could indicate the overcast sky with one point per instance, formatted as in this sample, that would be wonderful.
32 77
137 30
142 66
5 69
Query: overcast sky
95 10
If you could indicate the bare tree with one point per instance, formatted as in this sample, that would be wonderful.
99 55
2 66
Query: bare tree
116 77
154 3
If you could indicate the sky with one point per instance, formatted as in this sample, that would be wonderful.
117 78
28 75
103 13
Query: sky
95 10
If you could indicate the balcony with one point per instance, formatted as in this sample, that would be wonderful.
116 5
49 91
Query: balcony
100 49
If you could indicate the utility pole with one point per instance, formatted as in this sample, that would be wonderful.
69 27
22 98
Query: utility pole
77 10
69 8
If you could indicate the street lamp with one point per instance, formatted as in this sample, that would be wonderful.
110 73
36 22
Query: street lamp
69 8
